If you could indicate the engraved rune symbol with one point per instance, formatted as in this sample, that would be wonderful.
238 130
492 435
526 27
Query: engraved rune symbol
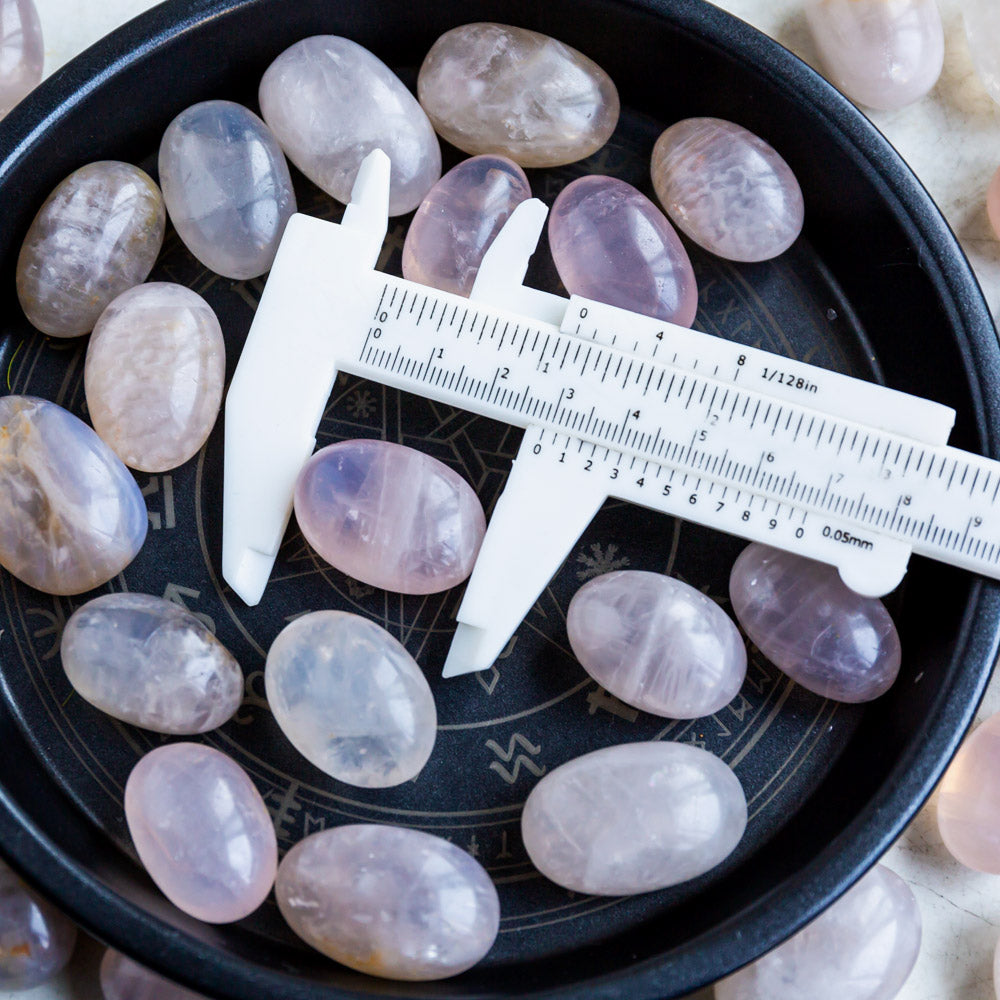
599 698
516 740
168 518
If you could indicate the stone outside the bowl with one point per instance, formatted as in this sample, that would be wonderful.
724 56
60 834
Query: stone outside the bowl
982 28
22 51
123 979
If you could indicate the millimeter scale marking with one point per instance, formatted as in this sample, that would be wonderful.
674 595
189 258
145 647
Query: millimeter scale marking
613 404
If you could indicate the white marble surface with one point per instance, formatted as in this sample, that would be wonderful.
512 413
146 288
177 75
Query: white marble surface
951 139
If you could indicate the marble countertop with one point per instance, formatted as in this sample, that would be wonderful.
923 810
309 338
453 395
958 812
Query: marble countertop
951 139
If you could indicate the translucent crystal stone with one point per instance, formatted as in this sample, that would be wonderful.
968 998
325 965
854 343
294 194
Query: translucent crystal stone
330 103
656 643
633 817
156 364
811 625
881 54
71 515
459 219
36 940
22 52
226 186
147 661
993 203
390 516
492 88
611 243
123 979
982 29
389 901
861 948
727 189
97 235
351 699
202 831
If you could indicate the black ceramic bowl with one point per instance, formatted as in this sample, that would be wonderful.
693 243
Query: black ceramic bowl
877 286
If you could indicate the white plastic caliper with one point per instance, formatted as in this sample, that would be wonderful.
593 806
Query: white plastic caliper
614 404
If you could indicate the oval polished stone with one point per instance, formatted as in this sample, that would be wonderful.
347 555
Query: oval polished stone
202 831
36 940
883 55
982 28
226 187
611 243
97 235
389 516
351 699
22 52
330 102
862 948
634 817
147 661
493 88
727 189
389 901
71 515
155 368
459 219
811 625
123 979
993 203
656 643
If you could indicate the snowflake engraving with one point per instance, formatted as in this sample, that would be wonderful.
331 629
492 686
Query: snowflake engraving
601 560
361 404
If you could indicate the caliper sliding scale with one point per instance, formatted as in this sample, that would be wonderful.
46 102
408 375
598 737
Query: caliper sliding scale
614 404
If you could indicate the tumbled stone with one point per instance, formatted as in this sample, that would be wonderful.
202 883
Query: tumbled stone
982 28
861 948
727 189
22 52
36 940
152 663
123 979
811 625
202 831
389 516
155 368
633 817
351 699
656 643
993 203
330 102
459 219
492 88
611 243
389 901
71 515
97 235
226 187
880 54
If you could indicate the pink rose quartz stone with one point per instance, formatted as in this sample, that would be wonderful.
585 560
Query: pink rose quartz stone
22 52
993 203
982 29
202 831
459 219
123 979
612 244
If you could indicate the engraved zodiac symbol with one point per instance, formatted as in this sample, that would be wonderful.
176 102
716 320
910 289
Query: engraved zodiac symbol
175 593
529 765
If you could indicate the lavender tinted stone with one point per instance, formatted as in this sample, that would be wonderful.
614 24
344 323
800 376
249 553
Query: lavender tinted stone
36 940
459 219
492 88
330 102
861 948
156 364
71 515
97 235
811 625
226 186
611 243
634 817
123 979
982 28
22 53
390 516
727 189
389 901
351 699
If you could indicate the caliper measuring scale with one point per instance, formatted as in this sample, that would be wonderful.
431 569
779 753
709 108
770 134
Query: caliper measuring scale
613 403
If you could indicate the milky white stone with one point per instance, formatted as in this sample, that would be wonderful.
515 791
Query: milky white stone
156 365
330 102
351 699
634 817
71 515
147 661
22 52
982 29
202 831
123 979
861 948
656 643
389 901
493 88
97 235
